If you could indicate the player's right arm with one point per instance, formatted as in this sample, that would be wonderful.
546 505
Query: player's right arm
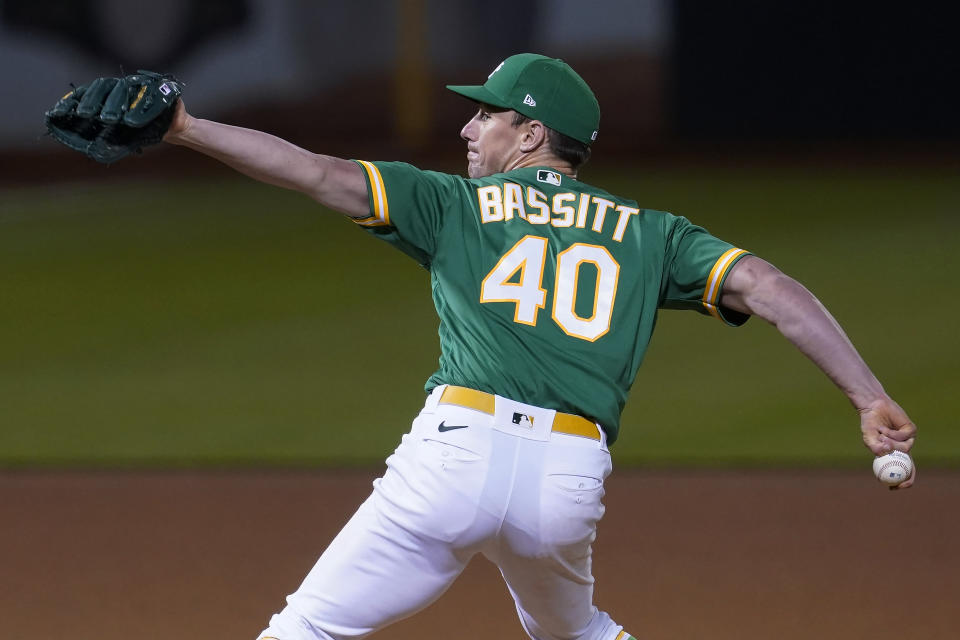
333 182
758 288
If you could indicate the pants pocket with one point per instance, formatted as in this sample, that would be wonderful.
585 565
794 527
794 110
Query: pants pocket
447 452
576 483
573 505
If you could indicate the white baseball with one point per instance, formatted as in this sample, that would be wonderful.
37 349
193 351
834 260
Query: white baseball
893 468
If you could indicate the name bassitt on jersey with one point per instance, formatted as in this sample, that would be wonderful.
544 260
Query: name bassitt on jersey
500 203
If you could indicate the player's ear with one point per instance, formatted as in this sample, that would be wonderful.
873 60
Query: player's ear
534 135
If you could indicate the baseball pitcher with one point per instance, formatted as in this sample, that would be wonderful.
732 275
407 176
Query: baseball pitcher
547 290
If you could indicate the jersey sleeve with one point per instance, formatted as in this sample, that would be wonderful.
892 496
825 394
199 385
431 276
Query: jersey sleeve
408 206
696 266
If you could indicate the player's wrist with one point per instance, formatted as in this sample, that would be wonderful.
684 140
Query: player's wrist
181 125
868 401
865 392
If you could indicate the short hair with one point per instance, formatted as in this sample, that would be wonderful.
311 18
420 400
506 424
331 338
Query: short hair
563 146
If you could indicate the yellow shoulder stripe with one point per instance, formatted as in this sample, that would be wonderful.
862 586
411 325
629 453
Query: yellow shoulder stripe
381 209
711 292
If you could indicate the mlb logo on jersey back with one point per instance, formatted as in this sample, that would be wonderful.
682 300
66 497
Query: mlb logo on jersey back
550 177
523 420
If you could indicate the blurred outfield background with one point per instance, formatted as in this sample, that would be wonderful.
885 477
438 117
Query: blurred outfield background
163 312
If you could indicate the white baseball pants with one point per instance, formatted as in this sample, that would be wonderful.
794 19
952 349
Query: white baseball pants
464 482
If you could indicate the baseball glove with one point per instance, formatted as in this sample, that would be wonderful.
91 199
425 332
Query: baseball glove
113 117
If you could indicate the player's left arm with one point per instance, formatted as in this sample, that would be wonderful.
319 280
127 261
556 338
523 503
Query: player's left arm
756 287
333 182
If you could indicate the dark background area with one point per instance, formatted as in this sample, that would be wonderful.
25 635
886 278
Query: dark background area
844 71
745 78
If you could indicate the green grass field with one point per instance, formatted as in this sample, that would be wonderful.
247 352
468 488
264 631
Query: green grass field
230 323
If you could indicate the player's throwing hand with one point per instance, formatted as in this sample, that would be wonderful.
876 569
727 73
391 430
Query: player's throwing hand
886 427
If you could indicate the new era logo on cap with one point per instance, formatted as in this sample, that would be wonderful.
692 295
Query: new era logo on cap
530 101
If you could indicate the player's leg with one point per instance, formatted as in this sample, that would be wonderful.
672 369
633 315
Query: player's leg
372 574
545 548
401 550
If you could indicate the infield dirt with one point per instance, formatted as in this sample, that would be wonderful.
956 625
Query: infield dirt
680 555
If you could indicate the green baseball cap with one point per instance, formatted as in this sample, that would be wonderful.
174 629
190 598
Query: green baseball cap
541 88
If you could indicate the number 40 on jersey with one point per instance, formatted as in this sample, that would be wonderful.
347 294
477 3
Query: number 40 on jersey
528 257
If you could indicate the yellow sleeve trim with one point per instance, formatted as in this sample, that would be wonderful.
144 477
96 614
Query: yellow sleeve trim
381 209
711 293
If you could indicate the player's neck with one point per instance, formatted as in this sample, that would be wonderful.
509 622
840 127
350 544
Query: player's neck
542 157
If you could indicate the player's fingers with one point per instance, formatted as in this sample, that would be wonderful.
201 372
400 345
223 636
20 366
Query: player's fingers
908 430
882 439
904 446
896 443
878 444
895 440
903 432
887 432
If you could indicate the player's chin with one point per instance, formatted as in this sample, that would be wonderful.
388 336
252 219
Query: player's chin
476 168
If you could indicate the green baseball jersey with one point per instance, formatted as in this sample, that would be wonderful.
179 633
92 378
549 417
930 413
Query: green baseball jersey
547 288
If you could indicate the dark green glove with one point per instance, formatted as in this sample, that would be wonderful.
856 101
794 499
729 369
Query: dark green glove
113 117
